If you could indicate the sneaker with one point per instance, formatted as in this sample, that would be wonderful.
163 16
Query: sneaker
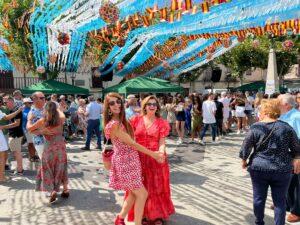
238 132
98 147
85 149
201 142
180 141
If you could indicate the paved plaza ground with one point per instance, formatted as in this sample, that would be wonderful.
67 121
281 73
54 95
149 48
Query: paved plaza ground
208 187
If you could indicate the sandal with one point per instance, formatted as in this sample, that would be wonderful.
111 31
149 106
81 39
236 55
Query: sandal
53 197
159 222
119 221
145 221
65 194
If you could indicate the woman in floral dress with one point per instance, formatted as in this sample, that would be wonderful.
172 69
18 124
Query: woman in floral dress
53 170
150 131
126 172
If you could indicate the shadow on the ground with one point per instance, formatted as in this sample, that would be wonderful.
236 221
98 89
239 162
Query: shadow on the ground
180 219
179 177
250 219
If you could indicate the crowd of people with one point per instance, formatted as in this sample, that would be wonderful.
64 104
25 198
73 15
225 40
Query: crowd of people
137 127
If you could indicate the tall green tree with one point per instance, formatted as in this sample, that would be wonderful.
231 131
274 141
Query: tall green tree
248 55
15 15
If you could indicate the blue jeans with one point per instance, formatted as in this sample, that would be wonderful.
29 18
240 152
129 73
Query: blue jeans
93 125
213 130
279 183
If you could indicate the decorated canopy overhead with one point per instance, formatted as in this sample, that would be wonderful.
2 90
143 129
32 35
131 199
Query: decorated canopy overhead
55 87
152 37
143 85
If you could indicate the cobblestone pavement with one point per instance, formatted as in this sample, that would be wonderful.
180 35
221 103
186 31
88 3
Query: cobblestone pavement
208 187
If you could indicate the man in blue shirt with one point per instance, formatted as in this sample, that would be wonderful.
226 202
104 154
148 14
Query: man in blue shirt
291 116
132 109
93 113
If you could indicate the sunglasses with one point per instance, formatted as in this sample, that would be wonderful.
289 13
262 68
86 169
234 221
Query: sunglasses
112 103
40 98
152 104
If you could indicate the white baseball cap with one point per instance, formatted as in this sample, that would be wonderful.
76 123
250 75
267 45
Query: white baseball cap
27 100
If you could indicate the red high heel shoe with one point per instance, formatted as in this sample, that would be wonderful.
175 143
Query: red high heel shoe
119 221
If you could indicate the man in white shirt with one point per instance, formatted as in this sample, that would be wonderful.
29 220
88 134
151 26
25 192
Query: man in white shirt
93 112
208 112
226 110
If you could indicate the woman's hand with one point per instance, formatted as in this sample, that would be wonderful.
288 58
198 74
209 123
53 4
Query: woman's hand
296 164
158 156
244 164
46 131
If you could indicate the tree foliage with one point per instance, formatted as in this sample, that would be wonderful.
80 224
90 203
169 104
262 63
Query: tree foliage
246 56
14 27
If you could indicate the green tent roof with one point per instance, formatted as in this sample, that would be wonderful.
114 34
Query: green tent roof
54 87
144 85
254 86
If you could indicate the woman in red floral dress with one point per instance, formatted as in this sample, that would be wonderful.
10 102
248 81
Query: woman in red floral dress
126 172
150 131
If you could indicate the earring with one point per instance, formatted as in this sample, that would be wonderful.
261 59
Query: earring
109 113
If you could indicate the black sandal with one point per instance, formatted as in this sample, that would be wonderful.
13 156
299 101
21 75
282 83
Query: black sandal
53 197
159 222
145 221
65 194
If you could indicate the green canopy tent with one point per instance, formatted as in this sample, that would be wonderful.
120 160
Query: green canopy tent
54 87
144 85
254 86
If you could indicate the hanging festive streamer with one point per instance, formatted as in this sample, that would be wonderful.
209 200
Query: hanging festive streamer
237 15
275 10
5 64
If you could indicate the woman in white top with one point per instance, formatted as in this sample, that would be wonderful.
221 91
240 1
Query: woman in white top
171 117
3 143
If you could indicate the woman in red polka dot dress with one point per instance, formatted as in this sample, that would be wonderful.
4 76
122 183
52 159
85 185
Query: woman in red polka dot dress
126 171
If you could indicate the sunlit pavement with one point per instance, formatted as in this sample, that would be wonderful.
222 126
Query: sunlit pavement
208 187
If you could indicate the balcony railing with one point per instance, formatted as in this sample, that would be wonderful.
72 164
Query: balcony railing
9 83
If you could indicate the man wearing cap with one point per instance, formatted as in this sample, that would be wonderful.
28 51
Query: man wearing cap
18 98
63 106
132 109
31 149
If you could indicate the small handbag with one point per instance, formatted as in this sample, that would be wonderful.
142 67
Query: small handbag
261 144
107 154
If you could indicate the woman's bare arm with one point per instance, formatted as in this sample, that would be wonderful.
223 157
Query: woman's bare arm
117 132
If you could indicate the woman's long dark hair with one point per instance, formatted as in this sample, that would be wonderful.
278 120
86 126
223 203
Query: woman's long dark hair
198 101
51 115
107 117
